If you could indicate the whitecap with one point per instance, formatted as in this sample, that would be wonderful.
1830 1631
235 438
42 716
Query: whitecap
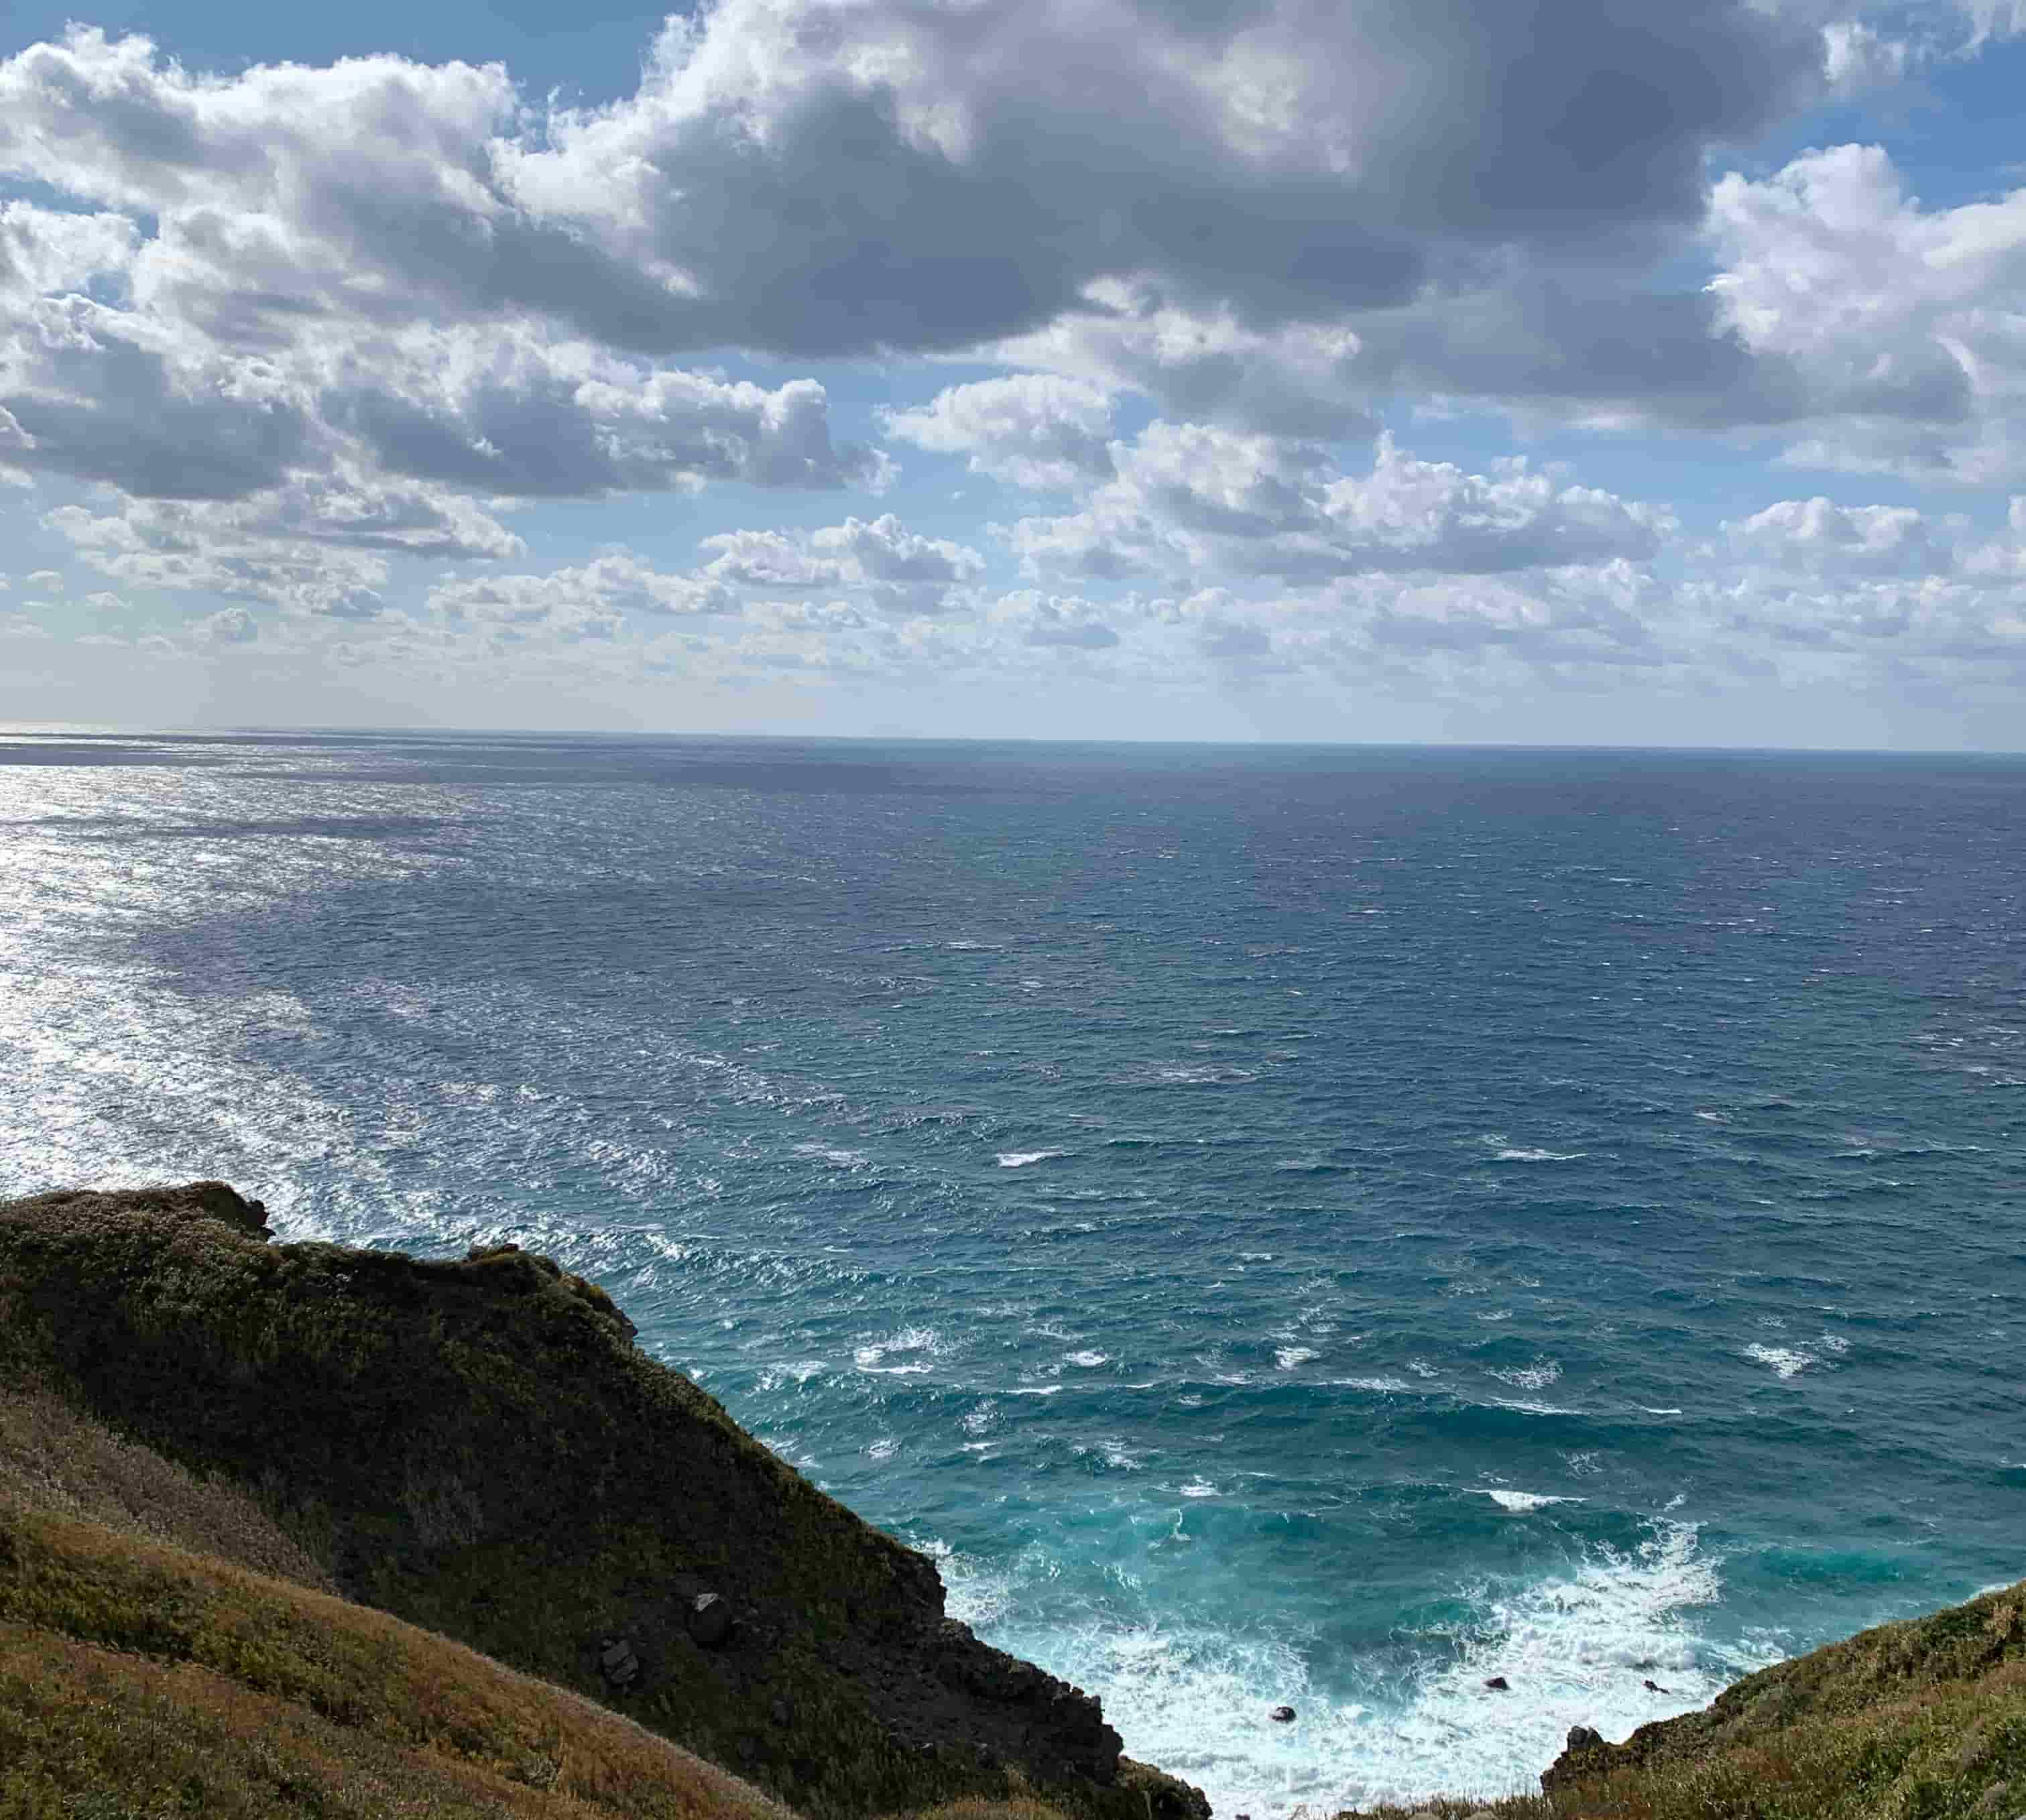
885 1448
822 1153
1392 1386
1088 1359
1287 1358
1539 1155
1788 1360
1021 1159
1651 1411
1198 1488
1035 1391
1522 1501
1537 1376
799 1373
871 1358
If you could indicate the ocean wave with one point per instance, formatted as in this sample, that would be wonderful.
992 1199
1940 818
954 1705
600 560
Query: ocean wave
1540 1156
1575 1647
1023 1159
1287 1358
908 1343
1536 1377
1522 1501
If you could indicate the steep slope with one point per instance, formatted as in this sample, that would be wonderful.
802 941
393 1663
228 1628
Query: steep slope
477 1447
138 1677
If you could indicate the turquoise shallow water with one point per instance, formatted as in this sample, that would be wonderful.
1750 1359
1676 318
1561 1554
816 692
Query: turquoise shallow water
1326 1226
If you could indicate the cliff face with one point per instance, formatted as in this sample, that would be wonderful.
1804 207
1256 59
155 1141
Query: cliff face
476 1447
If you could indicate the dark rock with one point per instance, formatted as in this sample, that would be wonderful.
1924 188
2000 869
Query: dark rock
708 1620
1282 1715
1653 1687
784 1715
1585 1755
617 1663
1498 1684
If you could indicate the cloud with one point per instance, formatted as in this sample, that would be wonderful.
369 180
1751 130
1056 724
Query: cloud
1034 429
1191 499
48 580
892 569
236 552
1054 622
1889 591
838 575
589 600
231 625
929 178
1899 322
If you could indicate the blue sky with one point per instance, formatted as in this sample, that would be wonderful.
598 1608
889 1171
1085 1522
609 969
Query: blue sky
1559 370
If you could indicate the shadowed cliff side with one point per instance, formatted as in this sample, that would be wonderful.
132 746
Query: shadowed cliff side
477 1447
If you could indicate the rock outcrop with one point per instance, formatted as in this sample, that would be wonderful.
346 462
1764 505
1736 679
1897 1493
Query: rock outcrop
476 1446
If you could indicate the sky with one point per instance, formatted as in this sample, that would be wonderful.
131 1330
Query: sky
1529 371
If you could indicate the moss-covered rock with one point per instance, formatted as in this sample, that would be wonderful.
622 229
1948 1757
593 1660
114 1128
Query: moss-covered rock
476 1446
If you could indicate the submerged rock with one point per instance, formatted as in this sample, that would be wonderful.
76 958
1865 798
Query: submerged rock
1282 1715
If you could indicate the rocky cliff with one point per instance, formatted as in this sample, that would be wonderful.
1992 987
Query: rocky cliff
478 1447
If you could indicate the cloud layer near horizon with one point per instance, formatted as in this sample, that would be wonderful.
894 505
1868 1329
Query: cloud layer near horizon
305 353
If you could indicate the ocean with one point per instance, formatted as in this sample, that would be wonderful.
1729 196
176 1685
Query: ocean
1325 1226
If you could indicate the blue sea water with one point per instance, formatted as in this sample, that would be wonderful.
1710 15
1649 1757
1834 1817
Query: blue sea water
1321 1226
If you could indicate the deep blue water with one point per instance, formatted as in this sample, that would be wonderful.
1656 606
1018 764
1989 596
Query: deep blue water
1318 1225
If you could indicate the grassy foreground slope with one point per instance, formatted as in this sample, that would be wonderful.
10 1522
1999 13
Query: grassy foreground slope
476 1447
138 1678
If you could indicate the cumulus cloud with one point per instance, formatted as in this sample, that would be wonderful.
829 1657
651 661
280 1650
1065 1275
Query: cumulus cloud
835 576
1035 429
1194 499
893 570
590 598
1899 322
910 177
1054 621
1890 590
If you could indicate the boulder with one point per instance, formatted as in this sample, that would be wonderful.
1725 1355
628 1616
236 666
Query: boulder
1585 1754
708 1620
1498 1684
617 1663
1282 1715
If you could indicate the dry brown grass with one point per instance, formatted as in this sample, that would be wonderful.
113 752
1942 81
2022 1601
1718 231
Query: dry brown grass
53 1459
138 1678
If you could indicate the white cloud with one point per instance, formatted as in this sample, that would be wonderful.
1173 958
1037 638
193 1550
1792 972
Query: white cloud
1901 323
1034 429
1190 500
